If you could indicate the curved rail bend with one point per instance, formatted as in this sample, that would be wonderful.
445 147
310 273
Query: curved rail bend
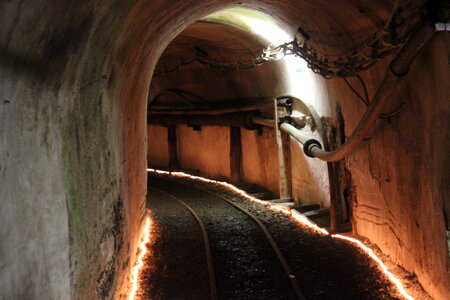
292 278
209 261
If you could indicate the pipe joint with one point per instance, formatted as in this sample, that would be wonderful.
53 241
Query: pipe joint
249 121
398 74
309 145
284 102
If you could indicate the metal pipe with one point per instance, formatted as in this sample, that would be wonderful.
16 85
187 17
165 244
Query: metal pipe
158 110
396 71
394 74
263 121
295 133
304 139
285 101
240 119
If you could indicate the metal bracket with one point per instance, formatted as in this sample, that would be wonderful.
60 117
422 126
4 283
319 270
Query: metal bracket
442 26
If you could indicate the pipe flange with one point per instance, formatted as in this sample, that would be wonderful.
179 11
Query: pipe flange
309 144
249 121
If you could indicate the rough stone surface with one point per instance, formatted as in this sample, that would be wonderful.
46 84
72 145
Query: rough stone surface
401 173
207 150
260 159
74 80
158 154
398 175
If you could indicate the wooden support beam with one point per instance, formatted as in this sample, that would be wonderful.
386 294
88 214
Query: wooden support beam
281 200
242 119
173 151
284 157
286 148
336 173
235 154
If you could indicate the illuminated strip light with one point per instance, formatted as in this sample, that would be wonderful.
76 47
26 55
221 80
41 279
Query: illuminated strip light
300 219
297 216
380 263
140 261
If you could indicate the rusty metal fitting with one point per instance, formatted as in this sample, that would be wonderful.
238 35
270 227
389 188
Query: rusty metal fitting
309 144
284 102
249 124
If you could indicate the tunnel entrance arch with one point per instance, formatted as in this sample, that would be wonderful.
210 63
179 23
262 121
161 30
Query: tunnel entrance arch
217 64
342 44
73 111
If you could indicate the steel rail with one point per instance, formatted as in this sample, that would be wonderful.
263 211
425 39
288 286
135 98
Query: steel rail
292 278
206 243
276 249
263 121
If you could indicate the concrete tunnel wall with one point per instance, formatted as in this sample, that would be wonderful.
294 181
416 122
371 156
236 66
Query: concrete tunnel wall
73 147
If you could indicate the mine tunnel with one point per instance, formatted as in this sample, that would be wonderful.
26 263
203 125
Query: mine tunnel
224 149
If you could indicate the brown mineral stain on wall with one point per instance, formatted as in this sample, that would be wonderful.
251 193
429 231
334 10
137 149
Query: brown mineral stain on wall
399 172
260 159
73 103
158 153
206 150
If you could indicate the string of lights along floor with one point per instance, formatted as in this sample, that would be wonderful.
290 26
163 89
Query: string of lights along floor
245 265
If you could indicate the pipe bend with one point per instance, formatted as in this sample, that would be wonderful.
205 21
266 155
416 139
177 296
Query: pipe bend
394 74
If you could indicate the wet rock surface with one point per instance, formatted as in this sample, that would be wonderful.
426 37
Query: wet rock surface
245 266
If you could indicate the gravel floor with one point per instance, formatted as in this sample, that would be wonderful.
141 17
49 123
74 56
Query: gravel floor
245 266
176 265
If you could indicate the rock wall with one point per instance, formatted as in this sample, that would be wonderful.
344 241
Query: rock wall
158 147
73 93
401 172
310 183
71 211
206 150
61 210
260 159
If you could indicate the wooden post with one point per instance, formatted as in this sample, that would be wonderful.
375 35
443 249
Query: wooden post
286 149
284 158
173 151
235 154
340 180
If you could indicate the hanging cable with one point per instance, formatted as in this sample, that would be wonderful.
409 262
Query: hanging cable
364 100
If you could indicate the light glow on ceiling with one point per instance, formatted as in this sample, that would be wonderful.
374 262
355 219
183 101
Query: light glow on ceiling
299 80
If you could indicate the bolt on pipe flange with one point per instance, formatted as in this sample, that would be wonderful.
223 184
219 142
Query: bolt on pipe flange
309 144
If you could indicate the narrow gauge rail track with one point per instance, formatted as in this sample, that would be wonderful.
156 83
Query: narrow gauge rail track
212 278
209 261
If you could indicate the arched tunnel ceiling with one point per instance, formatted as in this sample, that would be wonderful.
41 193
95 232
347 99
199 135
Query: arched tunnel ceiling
194 60
211 39
334 28
75 77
